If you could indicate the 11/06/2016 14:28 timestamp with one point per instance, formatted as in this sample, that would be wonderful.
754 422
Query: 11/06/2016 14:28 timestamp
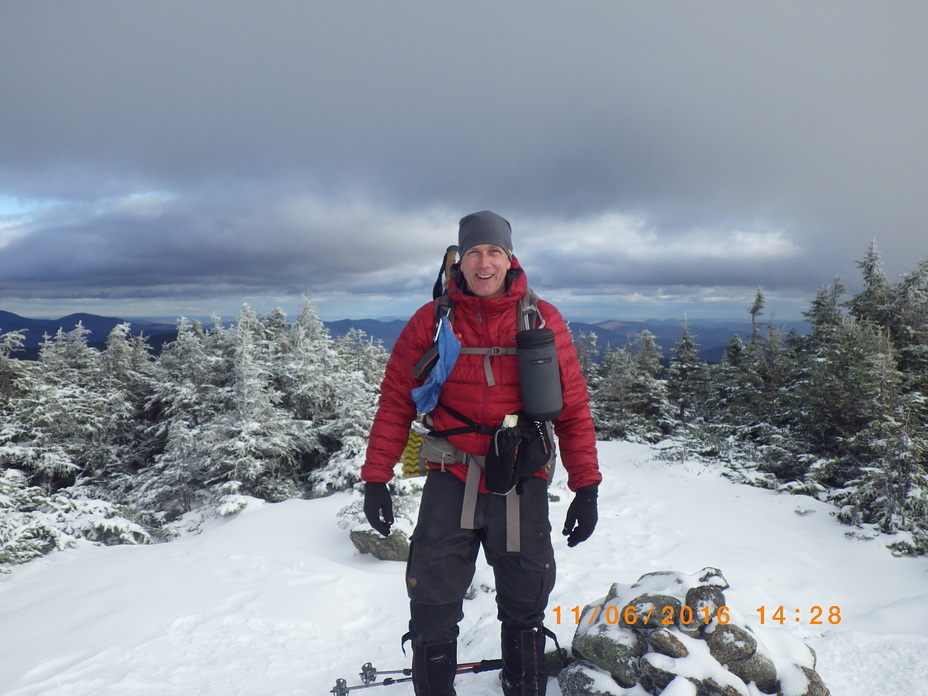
667 616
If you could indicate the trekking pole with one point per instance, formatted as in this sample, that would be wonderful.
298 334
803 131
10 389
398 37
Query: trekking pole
482 666
369 675
341 687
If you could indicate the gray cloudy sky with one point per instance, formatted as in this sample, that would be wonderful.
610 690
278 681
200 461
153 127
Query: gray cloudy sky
655 158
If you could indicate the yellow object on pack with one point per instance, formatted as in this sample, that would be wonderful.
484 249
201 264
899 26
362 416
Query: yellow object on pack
410 458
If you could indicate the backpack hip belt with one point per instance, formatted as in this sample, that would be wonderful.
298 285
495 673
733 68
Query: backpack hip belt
449 454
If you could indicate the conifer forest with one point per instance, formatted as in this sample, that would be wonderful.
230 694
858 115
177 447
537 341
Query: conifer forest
123 446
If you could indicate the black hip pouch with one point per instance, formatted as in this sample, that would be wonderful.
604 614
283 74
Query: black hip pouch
516 453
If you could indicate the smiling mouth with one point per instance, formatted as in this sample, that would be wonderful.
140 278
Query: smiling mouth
484 277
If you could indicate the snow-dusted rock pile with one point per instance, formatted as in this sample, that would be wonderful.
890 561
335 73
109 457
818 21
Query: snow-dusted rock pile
672 633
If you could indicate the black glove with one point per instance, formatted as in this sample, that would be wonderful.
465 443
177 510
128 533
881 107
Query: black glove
378 507
581 515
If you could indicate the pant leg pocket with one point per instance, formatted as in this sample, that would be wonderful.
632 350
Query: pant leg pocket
441 554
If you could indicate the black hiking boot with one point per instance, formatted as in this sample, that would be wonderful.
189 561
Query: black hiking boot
524 672
433 668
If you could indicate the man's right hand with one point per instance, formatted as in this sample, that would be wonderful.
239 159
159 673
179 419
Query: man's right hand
378 507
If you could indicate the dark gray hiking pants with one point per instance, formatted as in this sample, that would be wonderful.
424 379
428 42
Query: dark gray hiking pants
442 558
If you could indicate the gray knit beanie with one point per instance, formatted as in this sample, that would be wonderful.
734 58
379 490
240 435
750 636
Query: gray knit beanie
484 227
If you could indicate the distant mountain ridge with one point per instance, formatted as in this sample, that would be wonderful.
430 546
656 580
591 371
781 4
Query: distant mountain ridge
386 331
99 327
711 336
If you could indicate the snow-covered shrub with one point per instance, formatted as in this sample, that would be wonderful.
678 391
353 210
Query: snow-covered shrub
33 523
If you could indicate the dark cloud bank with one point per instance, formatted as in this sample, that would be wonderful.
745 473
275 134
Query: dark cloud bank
653 159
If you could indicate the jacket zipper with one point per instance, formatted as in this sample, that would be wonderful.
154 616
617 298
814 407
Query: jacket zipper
486 341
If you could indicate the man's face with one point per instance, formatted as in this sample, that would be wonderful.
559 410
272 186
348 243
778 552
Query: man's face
484 267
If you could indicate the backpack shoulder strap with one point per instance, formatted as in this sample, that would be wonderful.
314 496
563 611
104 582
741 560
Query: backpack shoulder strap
444 307
529 316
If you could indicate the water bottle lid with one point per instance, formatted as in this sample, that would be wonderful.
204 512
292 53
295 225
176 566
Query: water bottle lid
535 338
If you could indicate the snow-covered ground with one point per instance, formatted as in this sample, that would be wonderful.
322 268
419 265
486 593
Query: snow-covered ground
277 601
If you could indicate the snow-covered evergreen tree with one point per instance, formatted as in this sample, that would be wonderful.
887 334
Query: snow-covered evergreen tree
66 435
653 412
760 302
629 400
734 387
34 522
891 489
614 395
308 369
686 377
70 418
13 372
193 386
127 376
908 326
356 393
588 355
254 441
873 303
225 432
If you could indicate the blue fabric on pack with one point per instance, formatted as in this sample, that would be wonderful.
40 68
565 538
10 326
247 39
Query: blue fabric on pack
449 348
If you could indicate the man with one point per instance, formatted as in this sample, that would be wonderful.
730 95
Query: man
483 387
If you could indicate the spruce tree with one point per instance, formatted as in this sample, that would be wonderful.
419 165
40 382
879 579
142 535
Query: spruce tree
588 356
614 395
735 387
70 417
889 451
755 311
12 371
908 326
686 377
254 443
652 412
192 388
309 366
362 364
873 303
64 442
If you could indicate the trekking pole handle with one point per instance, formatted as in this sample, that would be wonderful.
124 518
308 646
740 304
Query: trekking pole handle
369 673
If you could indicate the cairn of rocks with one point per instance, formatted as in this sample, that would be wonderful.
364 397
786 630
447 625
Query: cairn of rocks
673 633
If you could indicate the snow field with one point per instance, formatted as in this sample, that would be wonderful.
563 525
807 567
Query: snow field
277 601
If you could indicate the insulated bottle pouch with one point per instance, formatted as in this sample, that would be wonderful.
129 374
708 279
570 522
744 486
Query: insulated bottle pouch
539 374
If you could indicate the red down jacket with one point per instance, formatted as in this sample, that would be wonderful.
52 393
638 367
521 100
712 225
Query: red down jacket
480 322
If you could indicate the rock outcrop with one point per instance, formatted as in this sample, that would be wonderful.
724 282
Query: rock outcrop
672 633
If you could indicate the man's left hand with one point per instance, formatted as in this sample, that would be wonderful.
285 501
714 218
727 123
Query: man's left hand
582 515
